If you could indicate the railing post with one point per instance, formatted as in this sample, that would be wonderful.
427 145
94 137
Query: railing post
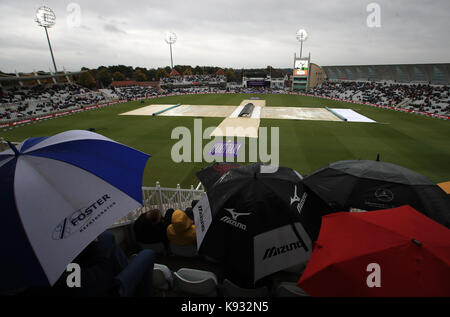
179 197
159 195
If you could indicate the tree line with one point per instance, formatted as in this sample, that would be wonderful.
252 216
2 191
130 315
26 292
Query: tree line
103 76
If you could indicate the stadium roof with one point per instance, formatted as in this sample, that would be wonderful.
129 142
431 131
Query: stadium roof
35 77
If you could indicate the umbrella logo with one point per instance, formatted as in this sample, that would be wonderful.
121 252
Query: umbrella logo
233 220
234 214
299 200
81 219
384 194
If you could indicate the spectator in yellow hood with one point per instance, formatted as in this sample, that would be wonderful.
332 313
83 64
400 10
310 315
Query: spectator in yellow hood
182 229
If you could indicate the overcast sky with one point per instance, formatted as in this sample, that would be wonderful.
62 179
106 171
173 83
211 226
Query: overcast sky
231 33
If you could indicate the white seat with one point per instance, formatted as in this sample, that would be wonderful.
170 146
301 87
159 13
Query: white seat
162 277
288 289
195 282
189 250
232 290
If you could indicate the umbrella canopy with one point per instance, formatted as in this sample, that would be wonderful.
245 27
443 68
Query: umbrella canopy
373 185
57 195
397 252
252 223
210 174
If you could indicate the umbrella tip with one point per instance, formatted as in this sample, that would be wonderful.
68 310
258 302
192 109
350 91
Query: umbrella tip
378 157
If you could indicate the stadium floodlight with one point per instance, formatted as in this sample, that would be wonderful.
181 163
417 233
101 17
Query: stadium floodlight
301 35
46 18
171 39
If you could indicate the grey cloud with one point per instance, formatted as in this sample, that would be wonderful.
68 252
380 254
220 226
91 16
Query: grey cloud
233 33
113 29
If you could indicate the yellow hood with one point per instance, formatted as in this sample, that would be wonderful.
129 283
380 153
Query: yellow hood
182 230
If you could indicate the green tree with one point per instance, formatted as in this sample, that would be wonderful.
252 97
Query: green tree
118 76
104 77
87 80
151 74
139 75
230 75
161 73
198 70
187 71
126 70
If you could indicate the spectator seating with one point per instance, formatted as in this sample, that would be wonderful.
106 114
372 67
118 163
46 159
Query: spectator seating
195 282
162 279
421 97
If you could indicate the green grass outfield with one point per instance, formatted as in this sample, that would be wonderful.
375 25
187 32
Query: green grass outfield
417 142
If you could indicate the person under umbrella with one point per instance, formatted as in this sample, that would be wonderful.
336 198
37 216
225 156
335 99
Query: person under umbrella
374 185
389 253
210 174
58 194
252 223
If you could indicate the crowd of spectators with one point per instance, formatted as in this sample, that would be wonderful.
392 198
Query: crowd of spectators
127 93
24 102
190 79
420 97
38 100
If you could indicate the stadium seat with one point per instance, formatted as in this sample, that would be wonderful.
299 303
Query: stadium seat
288 289
162 279
230 289
195 282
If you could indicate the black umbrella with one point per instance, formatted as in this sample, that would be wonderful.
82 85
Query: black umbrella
210 174
374 185
253 222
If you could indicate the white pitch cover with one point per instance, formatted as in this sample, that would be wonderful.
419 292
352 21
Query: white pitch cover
279 249
52 195
203 218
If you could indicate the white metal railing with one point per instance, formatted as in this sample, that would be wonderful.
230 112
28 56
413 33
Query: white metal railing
163 198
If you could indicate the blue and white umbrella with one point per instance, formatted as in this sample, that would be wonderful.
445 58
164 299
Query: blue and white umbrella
57 194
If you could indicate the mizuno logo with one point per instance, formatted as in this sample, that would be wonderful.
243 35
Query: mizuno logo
295 198
233 220
299 200
234 214
274 251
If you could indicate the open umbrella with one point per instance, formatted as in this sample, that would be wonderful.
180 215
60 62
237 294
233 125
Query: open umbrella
210 174
397 252
252 223
57 194
374 185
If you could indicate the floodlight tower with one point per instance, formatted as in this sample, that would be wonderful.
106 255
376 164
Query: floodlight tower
45 17
171 39
301 35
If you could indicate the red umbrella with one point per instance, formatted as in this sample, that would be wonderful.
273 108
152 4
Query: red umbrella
393 253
